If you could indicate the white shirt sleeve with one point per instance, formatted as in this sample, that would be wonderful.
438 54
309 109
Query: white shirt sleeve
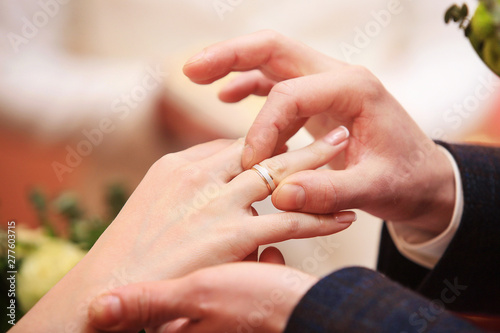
427 253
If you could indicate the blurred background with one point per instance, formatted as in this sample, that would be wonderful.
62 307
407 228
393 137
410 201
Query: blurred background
92 92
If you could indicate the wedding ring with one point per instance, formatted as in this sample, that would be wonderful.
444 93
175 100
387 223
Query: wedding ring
266 177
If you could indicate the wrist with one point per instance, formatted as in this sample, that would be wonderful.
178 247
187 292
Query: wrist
111 263
435 193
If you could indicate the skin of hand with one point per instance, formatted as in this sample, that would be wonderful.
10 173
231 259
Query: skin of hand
191 210
237 297
391 168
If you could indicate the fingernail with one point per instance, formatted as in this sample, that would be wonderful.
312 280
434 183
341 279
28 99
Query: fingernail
248 156
291 197
337 136
346 217
195 58
106 310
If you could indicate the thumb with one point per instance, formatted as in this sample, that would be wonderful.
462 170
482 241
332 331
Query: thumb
323 191
136 306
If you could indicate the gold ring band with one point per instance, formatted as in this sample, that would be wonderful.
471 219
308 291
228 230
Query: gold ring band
266 177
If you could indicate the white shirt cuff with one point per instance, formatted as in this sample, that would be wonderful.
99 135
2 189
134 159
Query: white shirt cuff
429 252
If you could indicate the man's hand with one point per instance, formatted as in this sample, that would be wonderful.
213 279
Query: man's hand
234 297
392 169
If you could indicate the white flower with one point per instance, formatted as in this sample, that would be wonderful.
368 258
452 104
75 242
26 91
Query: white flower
43 268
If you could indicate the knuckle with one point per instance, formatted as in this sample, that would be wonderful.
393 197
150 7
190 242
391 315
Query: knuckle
143 312
167 161
162 161
290 224
286 88
372 88
322 220
197 281
317 151
270 35
322 194
265 134
359 70
327 197
201 292
192 175
287 95
276 166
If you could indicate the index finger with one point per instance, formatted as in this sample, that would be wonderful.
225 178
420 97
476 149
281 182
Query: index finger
341 94
279 167
277 56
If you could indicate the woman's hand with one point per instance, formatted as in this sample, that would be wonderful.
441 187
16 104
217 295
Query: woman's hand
238 297
392 169
191 210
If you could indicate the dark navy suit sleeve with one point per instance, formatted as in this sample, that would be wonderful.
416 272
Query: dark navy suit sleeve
467 277
464 280
361 300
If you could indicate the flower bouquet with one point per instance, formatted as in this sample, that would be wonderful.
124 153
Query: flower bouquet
39 258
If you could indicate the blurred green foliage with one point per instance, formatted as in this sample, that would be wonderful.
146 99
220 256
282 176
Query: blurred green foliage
482 30
84 231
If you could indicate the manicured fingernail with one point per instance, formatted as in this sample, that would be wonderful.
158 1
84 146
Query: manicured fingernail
106 310
346 217
248 156
291 197
337 136
195 58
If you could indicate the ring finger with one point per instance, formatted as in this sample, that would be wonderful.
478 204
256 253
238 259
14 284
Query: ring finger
318 153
